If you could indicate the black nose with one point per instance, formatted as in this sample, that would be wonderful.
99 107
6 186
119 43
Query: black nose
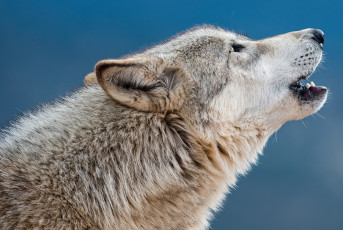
318 36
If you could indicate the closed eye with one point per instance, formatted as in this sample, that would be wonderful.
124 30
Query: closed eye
236 48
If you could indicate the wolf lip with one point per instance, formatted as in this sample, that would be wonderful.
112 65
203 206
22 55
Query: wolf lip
307 93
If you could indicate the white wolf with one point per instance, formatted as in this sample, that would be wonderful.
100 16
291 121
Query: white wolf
157 138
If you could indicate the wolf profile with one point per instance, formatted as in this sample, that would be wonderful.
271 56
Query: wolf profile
156 139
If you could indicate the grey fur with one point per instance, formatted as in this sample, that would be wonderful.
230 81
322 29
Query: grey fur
155 140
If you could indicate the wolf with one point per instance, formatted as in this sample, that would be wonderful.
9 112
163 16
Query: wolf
155 140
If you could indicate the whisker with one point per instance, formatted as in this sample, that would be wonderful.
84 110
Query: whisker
303 123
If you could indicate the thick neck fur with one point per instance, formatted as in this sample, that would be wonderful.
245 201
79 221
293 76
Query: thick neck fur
238 145
105 166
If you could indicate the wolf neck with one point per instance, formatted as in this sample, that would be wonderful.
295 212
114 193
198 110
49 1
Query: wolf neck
235 146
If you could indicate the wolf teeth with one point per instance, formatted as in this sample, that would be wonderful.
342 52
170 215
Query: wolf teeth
312 84
308 85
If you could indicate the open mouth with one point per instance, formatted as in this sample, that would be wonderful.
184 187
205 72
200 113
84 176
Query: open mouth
309 91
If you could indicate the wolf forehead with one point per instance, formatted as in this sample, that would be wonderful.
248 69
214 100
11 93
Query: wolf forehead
196 39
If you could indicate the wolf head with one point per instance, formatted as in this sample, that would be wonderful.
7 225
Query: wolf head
209 74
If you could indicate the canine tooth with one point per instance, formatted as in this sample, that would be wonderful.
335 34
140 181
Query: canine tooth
312 84
308 85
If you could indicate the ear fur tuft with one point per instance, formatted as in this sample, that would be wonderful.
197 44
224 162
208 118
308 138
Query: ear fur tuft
90 79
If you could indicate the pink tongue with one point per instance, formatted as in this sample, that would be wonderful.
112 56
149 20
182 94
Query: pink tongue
316 89
313 92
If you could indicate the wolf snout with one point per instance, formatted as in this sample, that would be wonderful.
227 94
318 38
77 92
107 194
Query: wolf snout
318 36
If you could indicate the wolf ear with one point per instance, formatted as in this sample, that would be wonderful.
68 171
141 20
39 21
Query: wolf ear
142 83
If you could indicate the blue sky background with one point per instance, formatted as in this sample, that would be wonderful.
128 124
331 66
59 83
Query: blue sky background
47 47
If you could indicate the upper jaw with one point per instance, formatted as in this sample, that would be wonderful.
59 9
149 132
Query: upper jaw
308 91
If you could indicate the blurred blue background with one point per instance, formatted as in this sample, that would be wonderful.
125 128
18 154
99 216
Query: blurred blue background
47 47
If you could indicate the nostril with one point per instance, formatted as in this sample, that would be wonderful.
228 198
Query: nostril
318 36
